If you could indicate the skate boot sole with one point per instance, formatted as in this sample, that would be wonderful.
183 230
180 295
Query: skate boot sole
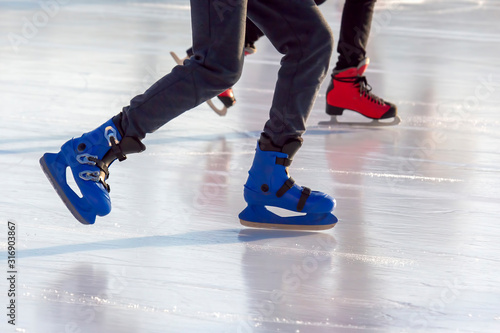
260 217
64 194
286 226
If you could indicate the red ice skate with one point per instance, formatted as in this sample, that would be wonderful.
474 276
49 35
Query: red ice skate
349 90
227 98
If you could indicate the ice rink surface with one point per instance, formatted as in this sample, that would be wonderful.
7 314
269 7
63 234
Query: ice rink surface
417 245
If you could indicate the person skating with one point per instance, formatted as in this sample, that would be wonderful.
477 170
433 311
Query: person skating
348 88
218 42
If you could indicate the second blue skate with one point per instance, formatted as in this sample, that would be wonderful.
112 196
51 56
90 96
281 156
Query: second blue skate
269 184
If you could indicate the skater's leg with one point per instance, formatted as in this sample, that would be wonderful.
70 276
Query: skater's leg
348 88
269 184
216 65
354 32
252 35
300 33
218 30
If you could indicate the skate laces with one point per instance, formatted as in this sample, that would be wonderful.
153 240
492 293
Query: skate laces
364 87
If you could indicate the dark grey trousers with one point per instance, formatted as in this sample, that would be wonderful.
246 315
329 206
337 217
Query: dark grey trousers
354 32
296 28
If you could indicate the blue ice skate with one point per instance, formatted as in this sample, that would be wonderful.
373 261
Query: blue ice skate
269 184
89 157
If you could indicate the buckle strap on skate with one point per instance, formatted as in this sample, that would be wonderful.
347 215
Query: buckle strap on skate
106 186
306 192
286 162
116 149
103 174
285 187
86 159
89 175
101 165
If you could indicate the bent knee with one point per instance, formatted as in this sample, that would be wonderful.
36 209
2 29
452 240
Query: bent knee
219 72
230 77
320 44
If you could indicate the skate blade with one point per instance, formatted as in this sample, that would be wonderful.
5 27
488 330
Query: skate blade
178 60
260 217
374 123
67 195
263 225
221 112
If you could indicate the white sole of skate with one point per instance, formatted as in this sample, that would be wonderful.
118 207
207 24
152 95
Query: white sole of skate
286 226
373 123
220 111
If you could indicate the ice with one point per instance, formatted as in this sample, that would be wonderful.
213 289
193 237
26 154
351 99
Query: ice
417 242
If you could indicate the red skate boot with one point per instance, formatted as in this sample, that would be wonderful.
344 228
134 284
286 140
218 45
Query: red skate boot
349 91
227 98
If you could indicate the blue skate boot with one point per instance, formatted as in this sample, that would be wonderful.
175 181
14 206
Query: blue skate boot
89 157
269 184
